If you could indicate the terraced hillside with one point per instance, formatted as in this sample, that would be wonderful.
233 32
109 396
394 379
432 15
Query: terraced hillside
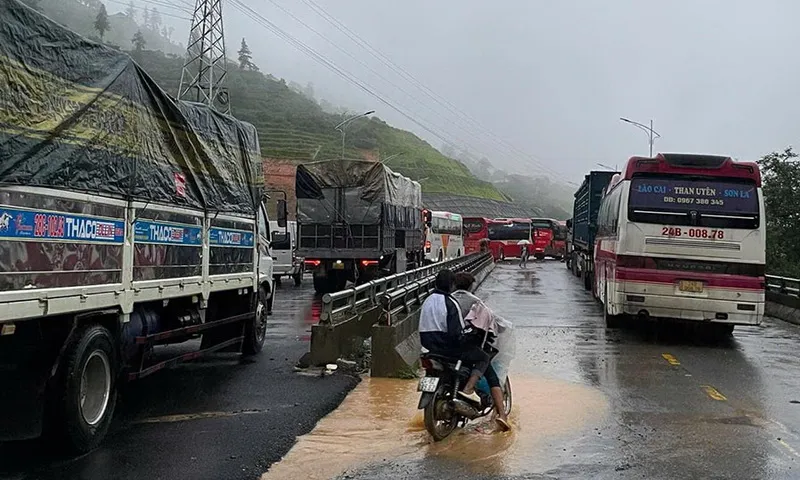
293 127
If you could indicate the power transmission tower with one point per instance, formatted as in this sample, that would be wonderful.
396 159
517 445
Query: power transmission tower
205 67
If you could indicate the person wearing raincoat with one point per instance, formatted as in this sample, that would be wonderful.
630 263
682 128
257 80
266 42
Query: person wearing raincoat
472 308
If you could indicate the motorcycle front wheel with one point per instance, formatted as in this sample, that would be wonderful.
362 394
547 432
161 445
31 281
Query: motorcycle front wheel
440 421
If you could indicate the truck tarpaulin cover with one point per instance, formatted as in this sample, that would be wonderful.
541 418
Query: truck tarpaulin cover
78 115
370 188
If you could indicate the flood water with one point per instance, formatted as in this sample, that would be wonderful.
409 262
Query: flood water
379 422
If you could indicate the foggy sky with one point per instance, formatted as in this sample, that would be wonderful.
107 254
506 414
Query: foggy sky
553 77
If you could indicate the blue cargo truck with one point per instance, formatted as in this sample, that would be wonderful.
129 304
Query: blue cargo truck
583 225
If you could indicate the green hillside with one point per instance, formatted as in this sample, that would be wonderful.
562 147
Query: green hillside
292 124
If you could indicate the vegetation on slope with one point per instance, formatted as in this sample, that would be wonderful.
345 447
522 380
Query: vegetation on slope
292 124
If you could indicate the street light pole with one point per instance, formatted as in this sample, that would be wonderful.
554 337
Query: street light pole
651 134
342 126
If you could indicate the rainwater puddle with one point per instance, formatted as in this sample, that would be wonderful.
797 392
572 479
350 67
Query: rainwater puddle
379 421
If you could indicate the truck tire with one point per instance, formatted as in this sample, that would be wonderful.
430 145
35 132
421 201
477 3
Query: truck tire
321 284
298 278
86 389
255 330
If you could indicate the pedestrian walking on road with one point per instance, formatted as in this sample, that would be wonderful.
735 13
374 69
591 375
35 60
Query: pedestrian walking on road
523 256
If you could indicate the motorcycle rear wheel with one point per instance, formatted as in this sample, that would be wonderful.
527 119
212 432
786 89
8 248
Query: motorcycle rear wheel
435 422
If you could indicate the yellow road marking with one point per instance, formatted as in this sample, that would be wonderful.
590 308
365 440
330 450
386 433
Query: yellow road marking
713 393
195 416
789 447
670 359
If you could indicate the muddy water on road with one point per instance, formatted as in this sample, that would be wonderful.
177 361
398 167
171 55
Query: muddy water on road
379 422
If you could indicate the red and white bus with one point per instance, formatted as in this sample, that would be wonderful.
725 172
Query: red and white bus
558 247
475 230
505 235
543 231
683 237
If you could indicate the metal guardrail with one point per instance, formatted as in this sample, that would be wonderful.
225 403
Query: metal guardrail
784 285
350 301
411 295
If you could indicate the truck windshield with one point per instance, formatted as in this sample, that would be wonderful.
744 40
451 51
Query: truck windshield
694 201
510 231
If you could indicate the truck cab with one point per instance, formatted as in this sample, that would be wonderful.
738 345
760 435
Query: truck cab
284 252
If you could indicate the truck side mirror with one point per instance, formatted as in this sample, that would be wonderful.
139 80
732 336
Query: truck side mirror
569 223
283 213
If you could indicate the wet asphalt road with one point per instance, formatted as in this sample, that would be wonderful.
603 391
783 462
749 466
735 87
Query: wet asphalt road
213 419
640 402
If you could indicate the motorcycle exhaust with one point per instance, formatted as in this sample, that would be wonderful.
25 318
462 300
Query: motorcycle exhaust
465 409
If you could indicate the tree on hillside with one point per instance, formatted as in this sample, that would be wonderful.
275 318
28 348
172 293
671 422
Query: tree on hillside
309 91
246 58
155 20
130 11
101 21
781 183
138 41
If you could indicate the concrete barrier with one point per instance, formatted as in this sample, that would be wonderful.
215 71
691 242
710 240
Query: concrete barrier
348 316
783 306
395 341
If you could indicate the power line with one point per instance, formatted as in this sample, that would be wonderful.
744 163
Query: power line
427 91
252 14
372 70
166 14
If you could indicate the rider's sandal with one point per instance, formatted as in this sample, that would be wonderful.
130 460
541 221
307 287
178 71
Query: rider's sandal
502 424
471 396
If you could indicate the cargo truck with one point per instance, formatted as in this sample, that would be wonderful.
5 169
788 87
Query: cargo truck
583 225
357 220
128 221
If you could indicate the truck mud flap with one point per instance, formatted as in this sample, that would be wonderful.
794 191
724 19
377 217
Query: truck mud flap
22 401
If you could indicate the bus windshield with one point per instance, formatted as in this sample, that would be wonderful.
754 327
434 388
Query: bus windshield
473 225
694 201
510 231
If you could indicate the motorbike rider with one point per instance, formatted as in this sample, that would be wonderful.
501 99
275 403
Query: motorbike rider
441 328
466 299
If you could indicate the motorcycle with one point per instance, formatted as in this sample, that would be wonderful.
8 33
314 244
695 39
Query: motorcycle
444 409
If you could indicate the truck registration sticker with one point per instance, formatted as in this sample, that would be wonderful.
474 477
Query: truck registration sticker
31 224
708 233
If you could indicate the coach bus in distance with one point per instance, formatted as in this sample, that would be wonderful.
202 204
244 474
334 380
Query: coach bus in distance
682 236
505 235
443 236
475 230
558 247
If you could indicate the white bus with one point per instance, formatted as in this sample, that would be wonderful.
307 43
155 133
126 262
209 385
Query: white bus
682 237
444 239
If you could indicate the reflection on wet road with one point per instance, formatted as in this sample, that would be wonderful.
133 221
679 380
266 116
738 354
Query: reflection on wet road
217 418
641 402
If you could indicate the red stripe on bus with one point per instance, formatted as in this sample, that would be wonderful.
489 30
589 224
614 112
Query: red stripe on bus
672 277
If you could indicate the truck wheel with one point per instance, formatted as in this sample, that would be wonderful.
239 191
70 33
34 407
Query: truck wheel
321 284
255 330
298 278
86 389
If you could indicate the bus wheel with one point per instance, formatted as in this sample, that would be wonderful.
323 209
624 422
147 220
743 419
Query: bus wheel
611 321
502 255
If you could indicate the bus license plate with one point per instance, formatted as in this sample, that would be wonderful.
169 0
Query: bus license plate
692 286
428 384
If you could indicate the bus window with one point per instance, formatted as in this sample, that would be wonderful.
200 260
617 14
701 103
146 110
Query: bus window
694 202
